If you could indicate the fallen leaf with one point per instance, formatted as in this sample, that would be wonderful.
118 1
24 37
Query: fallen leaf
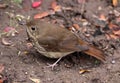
113 36
118 19
1 81
2 6
6 42
72 29
53 4
107 36
55 7
83 71
1 68
19 17
10 31
112 26
11 15
115 2
36 4
117 32
35 80
102 17
117 13
43 14
7 29
76 26
25 52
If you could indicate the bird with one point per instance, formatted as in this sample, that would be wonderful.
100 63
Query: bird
55 41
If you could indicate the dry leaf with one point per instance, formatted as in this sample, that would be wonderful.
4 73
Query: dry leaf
83 71
19 17
3 6
113 36
55 7
115 29
102 17
1 81
117 13
115 2
36 4
107 36
53 4
1 68
10 31
118 19
35 80
116 32
72 29
43 14
5 42
112 26
76 26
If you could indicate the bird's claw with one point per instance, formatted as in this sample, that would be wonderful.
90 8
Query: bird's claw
54 64
51 65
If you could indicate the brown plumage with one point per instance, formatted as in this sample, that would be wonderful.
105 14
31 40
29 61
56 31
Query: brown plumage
54 41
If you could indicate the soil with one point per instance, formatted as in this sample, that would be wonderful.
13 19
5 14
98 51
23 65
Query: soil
22 63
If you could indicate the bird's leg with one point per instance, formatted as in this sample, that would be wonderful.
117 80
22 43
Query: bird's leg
54 64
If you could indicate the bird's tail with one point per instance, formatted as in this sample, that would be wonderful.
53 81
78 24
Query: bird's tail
95 52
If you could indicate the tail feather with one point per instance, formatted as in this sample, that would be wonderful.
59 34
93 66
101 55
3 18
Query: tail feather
95 52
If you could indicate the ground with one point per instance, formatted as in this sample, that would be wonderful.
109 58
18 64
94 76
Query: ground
22 63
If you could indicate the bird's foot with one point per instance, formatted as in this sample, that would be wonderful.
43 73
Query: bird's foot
54 64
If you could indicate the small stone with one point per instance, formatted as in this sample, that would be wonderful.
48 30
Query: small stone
113 62
26 73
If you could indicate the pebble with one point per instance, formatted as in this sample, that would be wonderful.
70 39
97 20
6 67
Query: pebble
113 61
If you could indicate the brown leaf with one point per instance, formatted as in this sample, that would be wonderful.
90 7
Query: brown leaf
118 19
43 14
35 80
83 71
115 2
113 36
102 17
116 32
107 36
1 68
55 7
112 26
3 6
53 4
1 81
76 26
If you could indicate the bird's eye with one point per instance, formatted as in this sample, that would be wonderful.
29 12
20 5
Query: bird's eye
33 28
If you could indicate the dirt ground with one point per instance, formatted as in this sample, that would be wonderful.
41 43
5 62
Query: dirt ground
21 63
